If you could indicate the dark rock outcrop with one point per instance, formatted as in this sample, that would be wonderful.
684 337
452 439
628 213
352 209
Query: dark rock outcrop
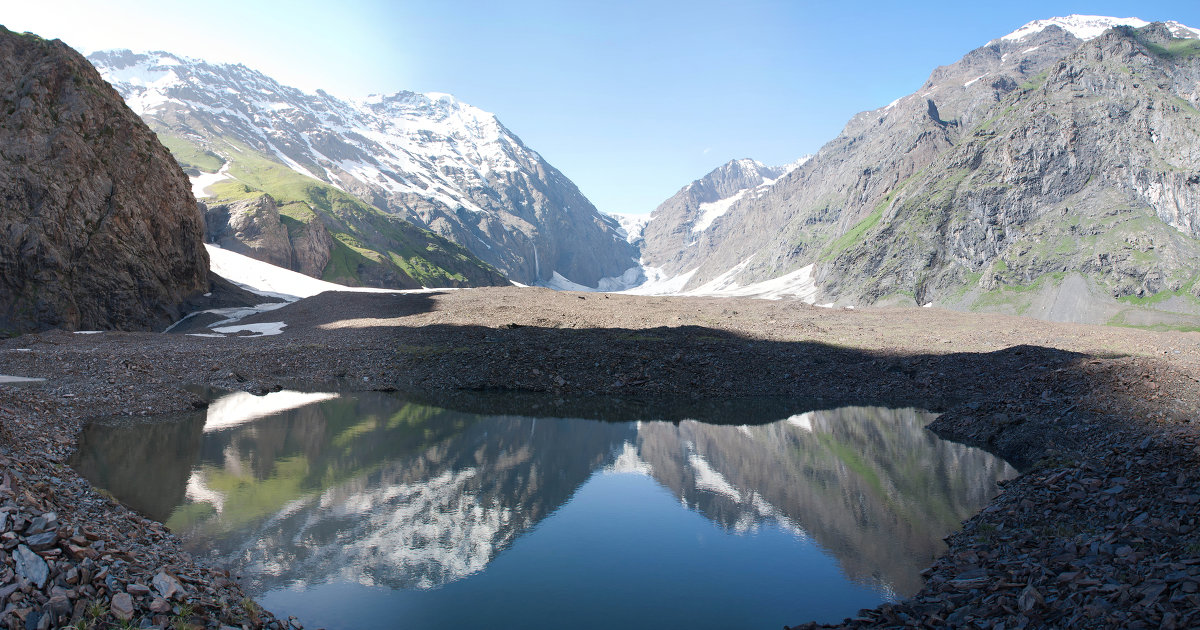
98 226
311 247
251 227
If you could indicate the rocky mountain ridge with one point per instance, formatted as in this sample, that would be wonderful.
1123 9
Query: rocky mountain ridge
430 159
98 228
1043 174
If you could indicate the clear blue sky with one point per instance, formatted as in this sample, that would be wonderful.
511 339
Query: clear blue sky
630 99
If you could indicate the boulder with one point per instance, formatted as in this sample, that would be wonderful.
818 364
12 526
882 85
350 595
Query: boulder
98 225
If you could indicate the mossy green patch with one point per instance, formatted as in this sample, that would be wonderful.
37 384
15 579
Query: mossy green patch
1184 105
1177 48
985 129
853 236
1162 296
1036 81
298 211
970 281
857 233
1120 319
1017 297
345 264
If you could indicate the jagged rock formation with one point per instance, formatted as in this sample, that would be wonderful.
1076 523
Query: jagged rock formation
444 165
255 228
1051 172
1086 174
312 246
98 226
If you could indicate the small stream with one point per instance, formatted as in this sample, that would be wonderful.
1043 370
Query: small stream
370 510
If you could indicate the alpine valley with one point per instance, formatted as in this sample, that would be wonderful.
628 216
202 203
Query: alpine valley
1051 172
576 453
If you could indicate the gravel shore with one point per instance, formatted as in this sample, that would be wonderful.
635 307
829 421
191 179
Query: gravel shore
1100 531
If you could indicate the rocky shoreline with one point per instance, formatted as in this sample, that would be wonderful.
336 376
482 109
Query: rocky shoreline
1101 530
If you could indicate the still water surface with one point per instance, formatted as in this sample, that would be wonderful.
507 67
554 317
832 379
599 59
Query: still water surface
370 511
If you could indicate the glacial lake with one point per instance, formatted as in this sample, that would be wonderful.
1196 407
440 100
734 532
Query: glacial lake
372 511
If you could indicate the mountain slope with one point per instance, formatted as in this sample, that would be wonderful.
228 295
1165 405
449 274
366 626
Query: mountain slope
98 228
1042 174
444 165
1089 173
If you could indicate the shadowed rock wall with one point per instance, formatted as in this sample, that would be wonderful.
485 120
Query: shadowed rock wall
98 225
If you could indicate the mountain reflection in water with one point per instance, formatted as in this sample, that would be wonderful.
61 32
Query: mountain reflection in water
295 490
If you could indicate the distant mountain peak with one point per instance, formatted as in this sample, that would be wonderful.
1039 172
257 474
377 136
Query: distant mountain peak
746 163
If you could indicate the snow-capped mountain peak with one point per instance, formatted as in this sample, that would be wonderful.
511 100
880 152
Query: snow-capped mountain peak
1085 27
755 179
404 111
1183 30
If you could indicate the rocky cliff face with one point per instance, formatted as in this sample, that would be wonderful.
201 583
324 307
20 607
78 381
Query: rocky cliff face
788 225
427 158
254 227
311 247
98 226
1049 172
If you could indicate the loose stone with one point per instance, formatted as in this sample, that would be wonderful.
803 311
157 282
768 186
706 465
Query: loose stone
31 566
122 606
42 541
167 586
